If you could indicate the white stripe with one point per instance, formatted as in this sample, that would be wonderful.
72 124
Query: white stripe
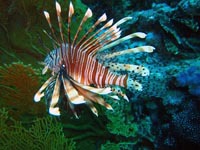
101 76
122 79
91 71
111 79
97 74
107 77
80 67
118 80
86 71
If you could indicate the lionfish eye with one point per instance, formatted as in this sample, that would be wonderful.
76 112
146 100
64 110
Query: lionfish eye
62 67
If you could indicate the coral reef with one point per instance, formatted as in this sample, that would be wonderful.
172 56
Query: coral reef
127 131
191 79
186 122
178 30
18 83
43 133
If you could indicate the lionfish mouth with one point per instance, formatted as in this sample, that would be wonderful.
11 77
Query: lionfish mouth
75 68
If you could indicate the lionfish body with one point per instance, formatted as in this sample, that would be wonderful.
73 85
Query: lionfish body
76 69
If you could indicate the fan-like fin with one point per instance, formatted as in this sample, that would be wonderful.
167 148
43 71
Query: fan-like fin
93 97
71 12
92 38
88 14
47 16
93 109
148 49
118 92
50 37
71 93
100 91
55 97
58 10
53 39
130 36
134 84
101 19
39 94
109 35
71 105
143 71
121 21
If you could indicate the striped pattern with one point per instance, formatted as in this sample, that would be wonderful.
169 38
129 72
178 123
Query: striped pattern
88 70
75 68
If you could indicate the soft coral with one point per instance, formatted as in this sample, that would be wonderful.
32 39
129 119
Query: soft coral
190 78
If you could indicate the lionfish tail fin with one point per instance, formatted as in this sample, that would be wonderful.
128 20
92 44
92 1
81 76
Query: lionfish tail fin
141 70
133 84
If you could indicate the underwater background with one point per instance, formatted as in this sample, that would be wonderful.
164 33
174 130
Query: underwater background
165 115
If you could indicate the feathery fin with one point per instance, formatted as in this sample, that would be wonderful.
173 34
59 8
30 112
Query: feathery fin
55 97
130 36
101 19
143 71
71 12
88 14
39 94
148 49
71 93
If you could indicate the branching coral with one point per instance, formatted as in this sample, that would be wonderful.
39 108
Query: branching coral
18 84
44 133
128 132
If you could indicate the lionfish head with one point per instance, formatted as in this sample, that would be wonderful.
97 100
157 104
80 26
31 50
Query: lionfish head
77 72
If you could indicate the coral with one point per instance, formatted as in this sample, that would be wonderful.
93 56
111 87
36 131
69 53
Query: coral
190 78
173 98
178 30
127 131
118 146
191 7
186 123
121 123
18 83
43 133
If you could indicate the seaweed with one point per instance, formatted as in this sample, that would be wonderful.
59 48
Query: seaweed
18 83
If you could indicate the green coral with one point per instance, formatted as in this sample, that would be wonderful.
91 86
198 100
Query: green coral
118 146
120 122
127 131
43 133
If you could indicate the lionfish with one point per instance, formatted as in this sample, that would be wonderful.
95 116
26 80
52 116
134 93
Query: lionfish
76 70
